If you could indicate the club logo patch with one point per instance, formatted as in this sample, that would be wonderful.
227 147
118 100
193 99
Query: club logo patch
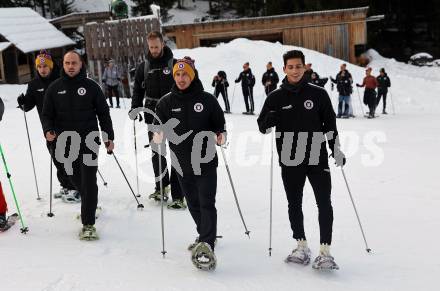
82 91
198 107
308 104
166 71
181 66
42 60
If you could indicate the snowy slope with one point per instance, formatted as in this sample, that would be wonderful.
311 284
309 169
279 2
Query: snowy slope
95 5
392 170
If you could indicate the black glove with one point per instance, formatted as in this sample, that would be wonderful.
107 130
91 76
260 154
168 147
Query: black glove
236 81
339 157
272 119
136 117
358 85
21 100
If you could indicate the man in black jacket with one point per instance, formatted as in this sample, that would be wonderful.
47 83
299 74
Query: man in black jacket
154 79
221 84
343 68
247 80
73 104
34 98
201 122
303 115
315 80
344 86
270 79
384 83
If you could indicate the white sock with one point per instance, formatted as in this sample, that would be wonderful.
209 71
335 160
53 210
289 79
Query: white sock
324 250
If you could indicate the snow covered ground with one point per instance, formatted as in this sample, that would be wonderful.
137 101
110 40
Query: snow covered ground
392 170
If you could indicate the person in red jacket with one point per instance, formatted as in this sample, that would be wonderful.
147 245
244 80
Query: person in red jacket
3 208
3 205
370 84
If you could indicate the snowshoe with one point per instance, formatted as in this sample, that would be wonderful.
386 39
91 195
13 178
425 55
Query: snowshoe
7 223
156 194
325 263
71 197
3 220
300 255
384 112
61 193
177 204
246 113
203 257
193 245
88 233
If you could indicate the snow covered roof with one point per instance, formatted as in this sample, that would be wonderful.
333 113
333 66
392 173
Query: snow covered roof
4 45
29 31
301 14
420 56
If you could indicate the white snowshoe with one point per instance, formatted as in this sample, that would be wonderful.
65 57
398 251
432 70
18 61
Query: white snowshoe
203 257
301 255
61 193
71 197
325 263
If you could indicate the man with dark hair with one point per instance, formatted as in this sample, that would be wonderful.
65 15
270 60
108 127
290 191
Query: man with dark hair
153 79
34 97
270 79
303 116
221 84
247 80
73 105
384 83
315 80
202 120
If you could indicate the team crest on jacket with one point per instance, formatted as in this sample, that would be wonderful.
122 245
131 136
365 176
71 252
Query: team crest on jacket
166 71
82 91
198 107
308 104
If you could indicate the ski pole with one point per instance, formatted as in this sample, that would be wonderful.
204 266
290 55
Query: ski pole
24 229
355 210
136 158
271 191
50 214
32 155
162 222
102 178
392 103
139 205
360 102
233 191
233 95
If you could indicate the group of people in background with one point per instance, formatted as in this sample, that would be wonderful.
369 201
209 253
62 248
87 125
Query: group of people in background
343 82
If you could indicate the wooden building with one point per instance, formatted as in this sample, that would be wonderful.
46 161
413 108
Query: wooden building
23 33
338 33
124 41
